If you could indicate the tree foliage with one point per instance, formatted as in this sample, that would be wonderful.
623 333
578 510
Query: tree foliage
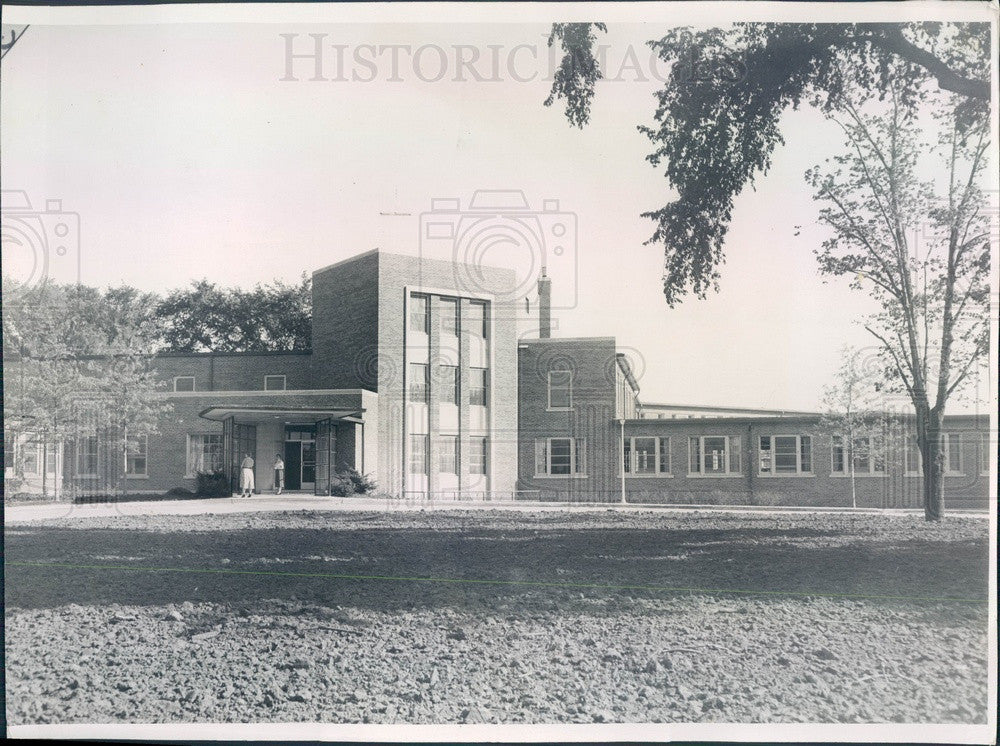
78 362
718 116
206 317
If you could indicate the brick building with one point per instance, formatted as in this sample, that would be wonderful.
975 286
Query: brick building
440 378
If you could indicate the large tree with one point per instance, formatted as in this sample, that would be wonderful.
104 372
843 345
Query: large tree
717 121
79 362
206 317
909 226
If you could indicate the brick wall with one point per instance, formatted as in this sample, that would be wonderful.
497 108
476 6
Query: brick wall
821 487
594 366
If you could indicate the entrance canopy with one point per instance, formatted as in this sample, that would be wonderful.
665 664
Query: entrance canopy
252 415
318 464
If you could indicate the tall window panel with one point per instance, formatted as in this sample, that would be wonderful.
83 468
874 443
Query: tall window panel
419 446
478 455
419 385
448 454
420 314
478 383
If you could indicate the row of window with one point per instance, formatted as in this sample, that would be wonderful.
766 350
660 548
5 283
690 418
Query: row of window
448 383
449 459
777 454
451 324
271 383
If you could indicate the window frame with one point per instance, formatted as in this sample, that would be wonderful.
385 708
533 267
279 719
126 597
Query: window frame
568 387
799 471
194 384
946 439
872 453
484 330
34 448
451 384
425 327
478 452
485 388
729 473
577 457
144 474
77 453
412 383
192 473
448 449
661 447
424 440
284 382
984 454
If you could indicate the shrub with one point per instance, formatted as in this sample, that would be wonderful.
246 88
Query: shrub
179 492
213 484
363 484
350 482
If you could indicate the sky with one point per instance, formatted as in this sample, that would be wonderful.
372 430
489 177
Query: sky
187 155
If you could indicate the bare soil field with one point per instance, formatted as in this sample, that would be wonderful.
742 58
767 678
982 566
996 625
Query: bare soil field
468 617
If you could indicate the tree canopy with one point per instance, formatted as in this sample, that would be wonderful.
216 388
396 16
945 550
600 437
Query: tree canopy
717 119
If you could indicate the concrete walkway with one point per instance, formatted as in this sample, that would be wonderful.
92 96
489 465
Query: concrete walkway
268 503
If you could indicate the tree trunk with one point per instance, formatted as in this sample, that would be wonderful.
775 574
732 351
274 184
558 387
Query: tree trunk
929 443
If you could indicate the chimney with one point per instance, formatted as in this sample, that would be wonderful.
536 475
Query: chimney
544 306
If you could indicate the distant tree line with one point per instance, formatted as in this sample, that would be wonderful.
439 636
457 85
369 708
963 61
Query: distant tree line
199 318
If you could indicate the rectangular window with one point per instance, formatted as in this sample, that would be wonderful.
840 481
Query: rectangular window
560 389
785 454
274 383
951 447
984 453
478 381
9 452
86 455
420 317
664 447
477 455
478 319
715 455
838 463
31 465
449 317
136 451
418 454
645 455
183 383
448 376
51 458
560 456
419 383
204 453
448 454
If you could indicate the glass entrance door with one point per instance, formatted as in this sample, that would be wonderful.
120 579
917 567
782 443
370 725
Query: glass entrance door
308 464
300 457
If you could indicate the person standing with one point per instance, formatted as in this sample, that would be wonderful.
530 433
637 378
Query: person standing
246 476
279 474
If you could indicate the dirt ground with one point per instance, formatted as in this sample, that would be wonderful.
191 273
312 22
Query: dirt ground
467 617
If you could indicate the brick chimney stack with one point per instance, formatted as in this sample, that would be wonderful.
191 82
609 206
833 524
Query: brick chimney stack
544 306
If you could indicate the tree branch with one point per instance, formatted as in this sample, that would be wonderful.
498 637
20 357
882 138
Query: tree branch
892 40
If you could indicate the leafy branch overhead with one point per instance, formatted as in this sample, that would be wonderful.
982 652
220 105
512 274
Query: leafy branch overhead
717 119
